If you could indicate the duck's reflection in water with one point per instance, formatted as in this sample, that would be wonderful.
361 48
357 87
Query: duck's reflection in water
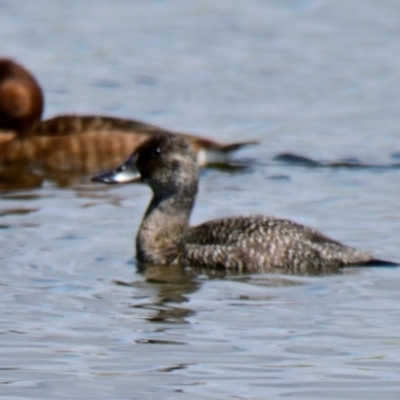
18 177
174 284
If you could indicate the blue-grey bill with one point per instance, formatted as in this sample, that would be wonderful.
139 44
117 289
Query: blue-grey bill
125 173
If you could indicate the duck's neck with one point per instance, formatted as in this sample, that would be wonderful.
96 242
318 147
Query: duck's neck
165 224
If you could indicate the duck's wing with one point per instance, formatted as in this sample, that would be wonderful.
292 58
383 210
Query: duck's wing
275 242
257 227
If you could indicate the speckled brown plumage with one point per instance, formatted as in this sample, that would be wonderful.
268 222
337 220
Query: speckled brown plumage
256 243
87 143
248 243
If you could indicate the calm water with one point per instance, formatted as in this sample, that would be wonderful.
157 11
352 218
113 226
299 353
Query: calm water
315 78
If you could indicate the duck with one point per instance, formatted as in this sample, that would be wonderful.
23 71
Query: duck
167 164
78 143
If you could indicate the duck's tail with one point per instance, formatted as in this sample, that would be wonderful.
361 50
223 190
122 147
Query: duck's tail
375 262
220 153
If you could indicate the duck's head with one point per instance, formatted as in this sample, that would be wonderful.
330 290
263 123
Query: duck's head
21 98
164 162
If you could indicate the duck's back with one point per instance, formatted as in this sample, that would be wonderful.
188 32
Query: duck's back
261 243
64 125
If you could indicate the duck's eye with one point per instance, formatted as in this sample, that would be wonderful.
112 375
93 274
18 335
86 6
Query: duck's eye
156 152
121 168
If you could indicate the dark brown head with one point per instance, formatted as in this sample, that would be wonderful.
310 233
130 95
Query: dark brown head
21 98
165 162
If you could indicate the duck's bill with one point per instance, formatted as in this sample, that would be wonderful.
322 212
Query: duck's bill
125 173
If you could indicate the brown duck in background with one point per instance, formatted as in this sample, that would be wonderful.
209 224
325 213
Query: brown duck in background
84 144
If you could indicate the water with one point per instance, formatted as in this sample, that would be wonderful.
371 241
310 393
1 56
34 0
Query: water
315 78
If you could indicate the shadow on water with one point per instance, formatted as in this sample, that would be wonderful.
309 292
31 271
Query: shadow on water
350 163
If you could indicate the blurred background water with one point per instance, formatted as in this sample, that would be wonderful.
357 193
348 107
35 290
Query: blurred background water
315 78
